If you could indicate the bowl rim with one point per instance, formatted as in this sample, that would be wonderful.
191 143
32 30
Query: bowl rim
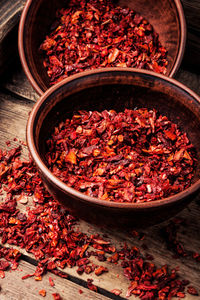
75 193
33 81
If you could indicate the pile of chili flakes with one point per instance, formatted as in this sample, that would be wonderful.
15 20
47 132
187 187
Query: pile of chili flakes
131 156
48 231
96 33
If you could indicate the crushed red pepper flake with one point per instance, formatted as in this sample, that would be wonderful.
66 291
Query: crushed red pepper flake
42 293
191 290
2 274
47 231
91 286
51 281
117 292
97 33
100 270
56 296
27 276
146 166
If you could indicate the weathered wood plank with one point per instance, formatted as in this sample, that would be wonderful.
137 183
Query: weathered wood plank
190 79
18 84
14 288
192 15
9 18
13 118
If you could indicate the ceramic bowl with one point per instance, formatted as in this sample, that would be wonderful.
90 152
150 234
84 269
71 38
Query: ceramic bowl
114 88
166 16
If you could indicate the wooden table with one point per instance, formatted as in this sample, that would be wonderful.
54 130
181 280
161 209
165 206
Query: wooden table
16 100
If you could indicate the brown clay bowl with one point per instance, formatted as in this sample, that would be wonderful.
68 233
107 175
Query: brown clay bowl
166 16
114 88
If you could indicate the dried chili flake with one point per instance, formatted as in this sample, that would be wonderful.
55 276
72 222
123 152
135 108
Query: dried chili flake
8 260
180 295
117 292
4 265
51 281
196 256
88 269
113 258
38 278
42 293
92 34
27 276
91 286
191 290
122 157
56 296
100 270
2 274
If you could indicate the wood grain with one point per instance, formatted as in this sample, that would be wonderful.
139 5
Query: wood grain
192 15
9 18
190 79
13 288
18 85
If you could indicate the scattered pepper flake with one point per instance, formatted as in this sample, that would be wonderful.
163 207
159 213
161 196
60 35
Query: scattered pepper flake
48 218
42 293
100 270
117 292
56 296
192 291
51 281
90 285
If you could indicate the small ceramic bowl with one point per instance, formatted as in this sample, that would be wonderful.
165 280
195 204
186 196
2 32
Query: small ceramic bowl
114 88
166 16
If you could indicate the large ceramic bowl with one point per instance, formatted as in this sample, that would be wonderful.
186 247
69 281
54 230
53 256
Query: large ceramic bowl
114 88
166 16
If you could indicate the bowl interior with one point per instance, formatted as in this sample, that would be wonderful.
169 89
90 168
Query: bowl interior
166 16
117 90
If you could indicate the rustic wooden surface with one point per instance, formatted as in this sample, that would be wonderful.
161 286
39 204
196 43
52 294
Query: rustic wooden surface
10 11
16 100
192 15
